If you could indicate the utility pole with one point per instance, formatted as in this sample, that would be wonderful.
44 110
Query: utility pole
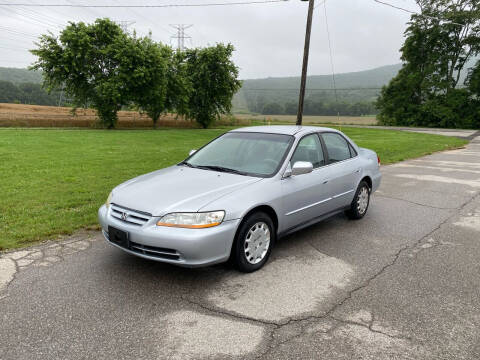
181 35
305 62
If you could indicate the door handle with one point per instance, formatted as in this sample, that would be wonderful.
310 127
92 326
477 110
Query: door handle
326 181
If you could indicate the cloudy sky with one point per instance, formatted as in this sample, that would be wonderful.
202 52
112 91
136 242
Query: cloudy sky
268 37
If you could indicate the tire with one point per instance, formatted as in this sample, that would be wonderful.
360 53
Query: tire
360 203
255 231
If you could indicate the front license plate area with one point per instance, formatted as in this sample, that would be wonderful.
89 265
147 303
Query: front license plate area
118 236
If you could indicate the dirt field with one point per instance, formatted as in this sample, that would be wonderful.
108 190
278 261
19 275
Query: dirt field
19 115
350 120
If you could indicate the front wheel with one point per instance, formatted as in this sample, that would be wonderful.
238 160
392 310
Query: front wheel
359 206
253 243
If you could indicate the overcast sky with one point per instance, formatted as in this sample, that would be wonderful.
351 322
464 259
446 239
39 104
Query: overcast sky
268 38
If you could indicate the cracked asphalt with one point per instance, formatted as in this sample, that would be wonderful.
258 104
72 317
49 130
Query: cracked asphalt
403 283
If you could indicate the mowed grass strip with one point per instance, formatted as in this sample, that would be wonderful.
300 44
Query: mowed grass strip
52 182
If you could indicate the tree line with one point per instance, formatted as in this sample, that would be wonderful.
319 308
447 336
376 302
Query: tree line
26 93
100 66
428 90
317 107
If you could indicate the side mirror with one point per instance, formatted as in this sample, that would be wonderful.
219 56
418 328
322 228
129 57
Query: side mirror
192 152
302 167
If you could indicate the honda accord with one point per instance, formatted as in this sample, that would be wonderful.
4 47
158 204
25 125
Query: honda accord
235 196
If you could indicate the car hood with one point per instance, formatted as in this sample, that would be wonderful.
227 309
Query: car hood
176 189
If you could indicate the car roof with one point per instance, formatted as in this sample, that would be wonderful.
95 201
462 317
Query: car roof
282 129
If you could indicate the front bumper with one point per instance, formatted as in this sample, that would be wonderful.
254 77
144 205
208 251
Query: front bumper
179 246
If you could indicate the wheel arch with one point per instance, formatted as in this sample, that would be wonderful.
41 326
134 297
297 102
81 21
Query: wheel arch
270 211
368 180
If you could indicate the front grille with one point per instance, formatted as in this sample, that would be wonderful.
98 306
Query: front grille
158 252
130 216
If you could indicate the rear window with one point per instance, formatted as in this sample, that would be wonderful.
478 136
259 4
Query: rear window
337 147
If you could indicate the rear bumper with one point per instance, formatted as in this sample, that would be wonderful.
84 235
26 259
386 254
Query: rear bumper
179 246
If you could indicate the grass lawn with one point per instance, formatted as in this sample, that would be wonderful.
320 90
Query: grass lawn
53 181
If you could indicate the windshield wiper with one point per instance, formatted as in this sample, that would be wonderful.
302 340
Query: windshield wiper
187 164
221 169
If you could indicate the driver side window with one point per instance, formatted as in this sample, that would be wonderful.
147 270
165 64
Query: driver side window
309 149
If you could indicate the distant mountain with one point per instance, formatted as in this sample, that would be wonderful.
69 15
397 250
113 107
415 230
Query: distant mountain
361 79
352 87
360 86
17 76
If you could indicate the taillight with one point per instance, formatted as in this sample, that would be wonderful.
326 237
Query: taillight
378 159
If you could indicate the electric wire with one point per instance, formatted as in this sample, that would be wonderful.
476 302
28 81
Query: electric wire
416 13
146 6
16 32
331 55
319 4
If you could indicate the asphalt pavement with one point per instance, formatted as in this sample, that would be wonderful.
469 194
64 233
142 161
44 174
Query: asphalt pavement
403 283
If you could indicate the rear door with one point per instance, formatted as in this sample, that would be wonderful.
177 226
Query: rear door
305 196
344 169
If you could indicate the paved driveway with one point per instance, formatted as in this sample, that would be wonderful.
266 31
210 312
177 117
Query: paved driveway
402 283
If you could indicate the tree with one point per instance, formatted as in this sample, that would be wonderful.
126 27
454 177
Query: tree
9 93
473 86
85 61
473 81
291 108
212 77
272 108
143 70
439 42
36 94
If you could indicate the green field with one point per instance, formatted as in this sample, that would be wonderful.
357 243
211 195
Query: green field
53 181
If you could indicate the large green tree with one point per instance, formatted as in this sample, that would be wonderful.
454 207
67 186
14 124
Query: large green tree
143 70
439 42
473 84
85 61
213 80
473 81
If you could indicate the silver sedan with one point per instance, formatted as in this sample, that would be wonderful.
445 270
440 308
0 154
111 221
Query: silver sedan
234 197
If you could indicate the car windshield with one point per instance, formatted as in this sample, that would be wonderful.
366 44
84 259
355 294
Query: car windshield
245 153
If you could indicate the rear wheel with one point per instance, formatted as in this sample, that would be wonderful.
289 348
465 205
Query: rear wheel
253 243
361 200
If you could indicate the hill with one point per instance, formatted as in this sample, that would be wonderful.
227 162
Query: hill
17 76
353 87
368 78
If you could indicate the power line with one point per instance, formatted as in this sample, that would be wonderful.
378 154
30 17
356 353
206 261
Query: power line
146 6
36 21
13 48
331 56
416 13
16 32
139 14
320 4
44 16
124 24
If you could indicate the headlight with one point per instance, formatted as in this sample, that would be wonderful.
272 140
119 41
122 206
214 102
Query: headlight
192 220
109 200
